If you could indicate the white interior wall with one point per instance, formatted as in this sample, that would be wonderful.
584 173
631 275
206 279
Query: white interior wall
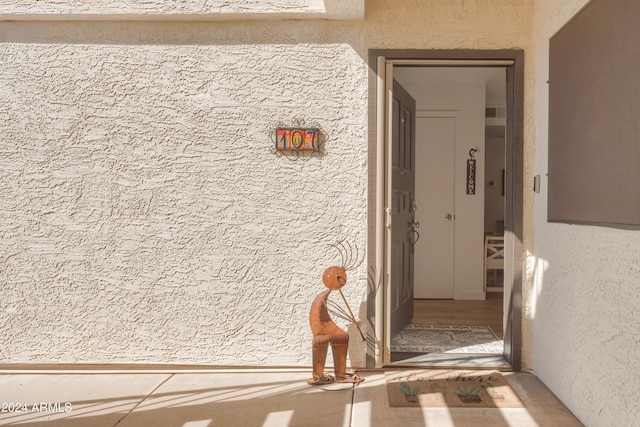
584 305
493 182
467 97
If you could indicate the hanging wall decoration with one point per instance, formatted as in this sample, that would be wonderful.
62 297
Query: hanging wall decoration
471 172
298 141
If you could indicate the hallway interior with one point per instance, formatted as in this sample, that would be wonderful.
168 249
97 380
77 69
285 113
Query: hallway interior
486 312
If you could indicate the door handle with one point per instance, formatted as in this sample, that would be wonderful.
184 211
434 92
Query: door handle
414 236
449 217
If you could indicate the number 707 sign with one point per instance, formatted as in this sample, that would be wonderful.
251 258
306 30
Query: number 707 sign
297 139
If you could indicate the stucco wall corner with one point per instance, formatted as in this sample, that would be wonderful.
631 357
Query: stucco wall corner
584 295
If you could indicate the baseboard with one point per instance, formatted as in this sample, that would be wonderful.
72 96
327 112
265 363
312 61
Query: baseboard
470 296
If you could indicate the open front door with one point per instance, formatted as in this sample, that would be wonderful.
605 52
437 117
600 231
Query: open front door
402 207
391 283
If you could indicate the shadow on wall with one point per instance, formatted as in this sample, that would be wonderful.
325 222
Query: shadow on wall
358 347
186 33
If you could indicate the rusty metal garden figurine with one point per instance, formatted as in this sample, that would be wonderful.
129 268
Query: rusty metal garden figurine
325 331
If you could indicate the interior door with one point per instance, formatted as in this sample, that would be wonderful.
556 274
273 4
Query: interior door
402 207
434 273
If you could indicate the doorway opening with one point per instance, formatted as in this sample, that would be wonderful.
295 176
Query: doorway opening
452 310
448 236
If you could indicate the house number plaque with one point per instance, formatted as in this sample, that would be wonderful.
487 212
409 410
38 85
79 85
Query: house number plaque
297 139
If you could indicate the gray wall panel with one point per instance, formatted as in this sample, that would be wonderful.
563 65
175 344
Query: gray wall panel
594 116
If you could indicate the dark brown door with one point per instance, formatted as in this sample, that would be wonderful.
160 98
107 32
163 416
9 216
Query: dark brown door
402 207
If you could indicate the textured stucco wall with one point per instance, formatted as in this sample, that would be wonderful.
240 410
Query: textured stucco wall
437 24
191 9
587 285
144 217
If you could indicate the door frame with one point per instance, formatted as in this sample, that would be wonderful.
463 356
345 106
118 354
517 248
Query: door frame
381 64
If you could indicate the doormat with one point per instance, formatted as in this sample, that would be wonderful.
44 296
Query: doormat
446 339
453 389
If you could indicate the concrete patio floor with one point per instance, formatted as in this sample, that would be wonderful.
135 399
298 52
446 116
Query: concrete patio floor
245 398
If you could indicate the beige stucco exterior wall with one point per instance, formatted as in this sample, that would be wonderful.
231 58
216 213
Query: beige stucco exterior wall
584 307
207 10
145 217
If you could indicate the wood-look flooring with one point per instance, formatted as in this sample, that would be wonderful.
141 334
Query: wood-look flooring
470 313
